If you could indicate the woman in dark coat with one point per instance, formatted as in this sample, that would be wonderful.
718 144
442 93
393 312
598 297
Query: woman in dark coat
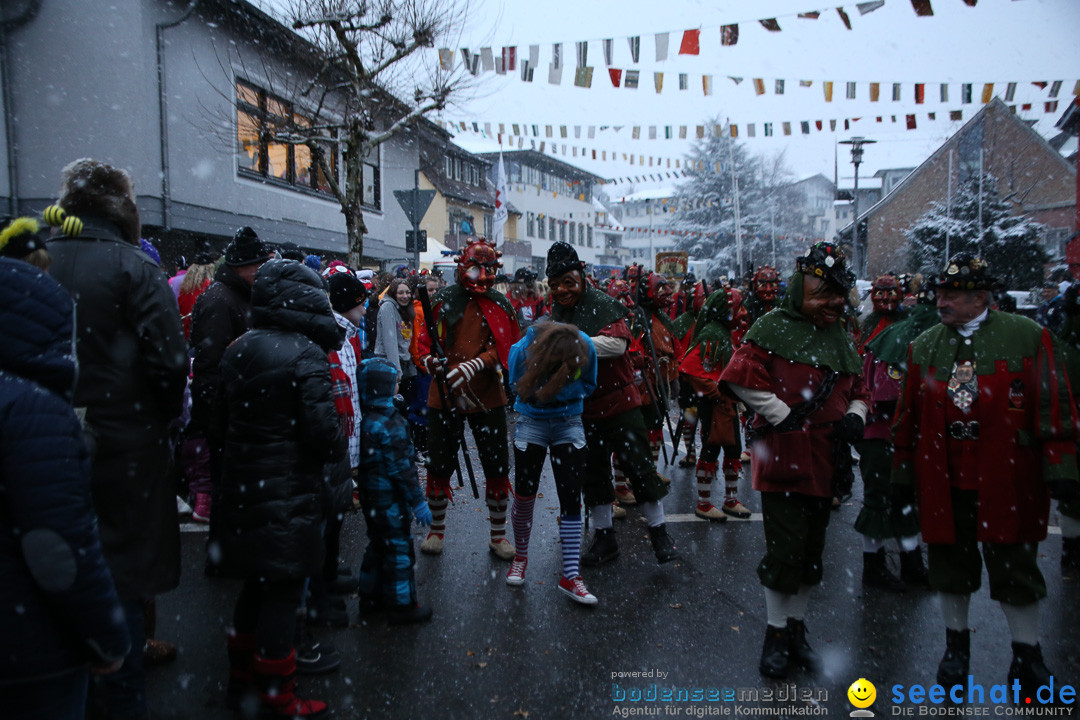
277 416
63 613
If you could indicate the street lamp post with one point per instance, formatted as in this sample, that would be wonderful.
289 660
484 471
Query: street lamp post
858 250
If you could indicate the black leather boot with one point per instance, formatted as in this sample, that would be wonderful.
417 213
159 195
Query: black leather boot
800 650
912 570
662 544
603 549
776 652
953 668
876 574
1028 667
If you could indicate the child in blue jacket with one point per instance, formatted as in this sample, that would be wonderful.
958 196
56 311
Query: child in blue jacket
390 496
552 370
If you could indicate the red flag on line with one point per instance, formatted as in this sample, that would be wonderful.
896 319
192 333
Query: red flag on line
691 42
616 76
920 93
911 122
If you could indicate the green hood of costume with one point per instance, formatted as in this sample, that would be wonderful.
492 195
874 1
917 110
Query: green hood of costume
891 344
712 333
788 333
593 312
454 298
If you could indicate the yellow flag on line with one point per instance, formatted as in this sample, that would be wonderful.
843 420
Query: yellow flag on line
658 81
875 91
759 86
706 84
828 91
988 93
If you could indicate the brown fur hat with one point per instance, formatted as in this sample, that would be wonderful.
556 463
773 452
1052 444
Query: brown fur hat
91 188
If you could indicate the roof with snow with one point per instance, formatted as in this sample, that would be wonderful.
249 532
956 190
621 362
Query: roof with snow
653 194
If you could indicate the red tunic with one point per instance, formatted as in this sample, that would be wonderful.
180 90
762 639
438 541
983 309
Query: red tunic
1026 435
799 461
615 390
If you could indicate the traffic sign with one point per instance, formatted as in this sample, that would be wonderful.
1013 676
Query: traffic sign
415 203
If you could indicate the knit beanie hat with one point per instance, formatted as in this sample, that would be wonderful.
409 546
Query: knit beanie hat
346 292
562 258
291 251
246 249
20 236
91 188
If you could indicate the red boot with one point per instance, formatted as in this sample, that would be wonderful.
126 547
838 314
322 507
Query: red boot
276 680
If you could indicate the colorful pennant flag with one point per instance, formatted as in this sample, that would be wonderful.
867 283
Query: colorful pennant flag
635 48
661 46
844 17
706 84
770 24
729 34
691 42
759 86
922 7
875 91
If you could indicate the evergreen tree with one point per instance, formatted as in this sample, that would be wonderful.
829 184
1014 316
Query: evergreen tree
705 204
1009 242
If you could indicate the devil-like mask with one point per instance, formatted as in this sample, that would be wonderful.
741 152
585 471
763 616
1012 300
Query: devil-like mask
886 294
766 283
477 266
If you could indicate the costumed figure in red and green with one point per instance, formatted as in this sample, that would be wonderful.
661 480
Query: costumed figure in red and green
710 350
985 435
612 414
683 329
1069 508
884 361
885 295
764 291
476 327
798 370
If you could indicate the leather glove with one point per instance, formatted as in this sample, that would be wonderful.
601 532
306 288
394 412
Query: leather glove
464 372
791 423
1061 489
400 404
422 513
849 429
433 365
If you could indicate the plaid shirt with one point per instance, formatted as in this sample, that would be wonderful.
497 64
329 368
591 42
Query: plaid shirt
347 358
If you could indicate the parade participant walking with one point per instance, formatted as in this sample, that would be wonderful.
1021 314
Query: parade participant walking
799 371
133 366
612 414
710 350
683 329
552 370
390 496
476 327
280 429
64 616
984 438
1069 508
884 360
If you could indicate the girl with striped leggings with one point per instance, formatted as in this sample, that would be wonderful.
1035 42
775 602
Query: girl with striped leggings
552 369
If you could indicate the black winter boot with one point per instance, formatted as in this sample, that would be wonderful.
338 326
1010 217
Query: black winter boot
662 544
953 668
1070 558
603 549
912 570
1028 667
800 650
876 574
776 652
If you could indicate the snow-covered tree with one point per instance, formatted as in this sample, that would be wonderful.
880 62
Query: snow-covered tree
705 203
1009 242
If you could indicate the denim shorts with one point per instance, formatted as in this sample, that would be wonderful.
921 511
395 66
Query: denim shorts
548 432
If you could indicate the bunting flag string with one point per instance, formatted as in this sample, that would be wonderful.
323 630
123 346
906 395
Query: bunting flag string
690 44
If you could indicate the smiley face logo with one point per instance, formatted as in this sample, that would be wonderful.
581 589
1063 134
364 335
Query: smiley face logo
862 693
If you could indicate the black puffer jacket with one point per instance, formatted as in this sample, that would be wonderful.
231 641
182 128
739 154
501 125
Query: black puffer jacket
221 314
59 606
133 367
280 428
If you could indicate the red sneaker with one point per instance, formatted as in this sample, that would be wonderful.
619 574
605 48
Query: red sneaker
577 591
516 576
201 512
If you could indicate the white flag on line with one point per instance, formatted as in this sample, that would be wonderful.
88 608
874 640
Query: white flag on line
501 213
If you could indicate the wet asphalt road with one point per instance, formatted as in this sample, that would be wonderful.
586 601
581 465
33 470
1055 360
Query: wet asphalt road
493 651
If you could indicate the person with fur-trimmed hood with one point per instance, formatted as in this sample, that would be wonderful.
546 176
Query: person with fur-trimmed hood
133 367
476 326
798 370
612 413
710 350
985 437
